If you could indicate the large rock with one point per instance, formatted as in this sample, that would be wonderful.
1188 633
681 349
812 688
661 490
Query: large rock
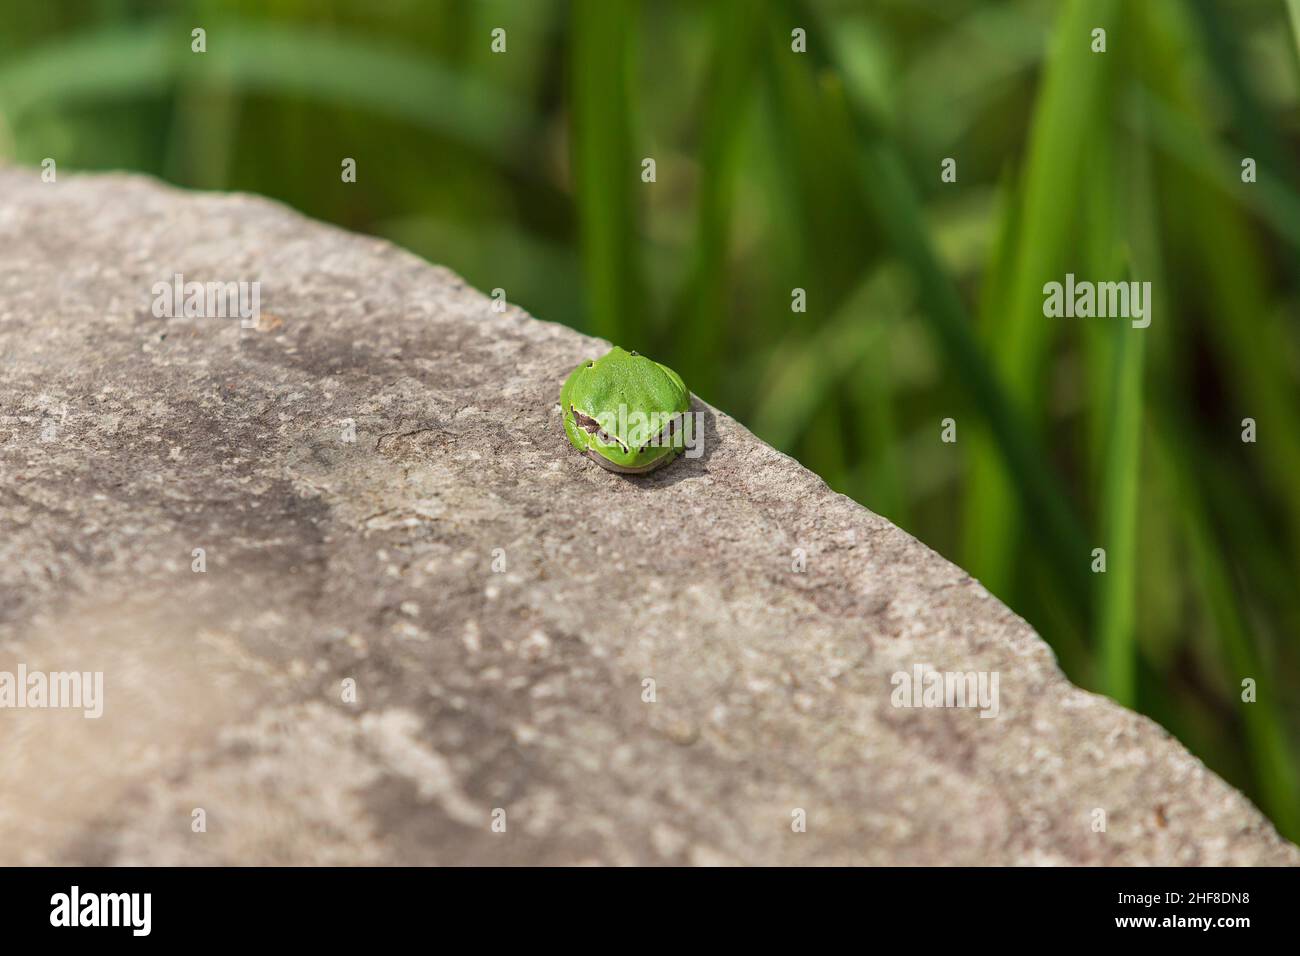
128 441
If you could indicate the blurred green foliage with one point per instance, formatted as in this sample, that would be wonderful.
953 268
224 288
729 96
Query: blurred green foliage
820 171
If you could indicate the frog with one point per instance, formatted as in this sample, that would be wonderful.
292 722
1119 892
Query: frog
625 411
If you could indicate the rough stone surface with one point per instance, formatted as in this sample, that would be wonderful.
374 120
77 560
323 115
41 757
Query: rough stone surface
127 441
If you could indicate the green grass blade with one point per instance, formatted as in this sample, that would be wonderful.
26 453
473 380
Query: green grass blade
997 44
701 315
1270 198
1250 337
881 484
1118 586
1123 242
1064 118
607 168
885 184
1271 755
125 63
805 372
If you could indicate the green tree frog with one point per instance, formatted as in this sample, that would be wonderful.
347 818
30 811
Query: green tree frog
625 412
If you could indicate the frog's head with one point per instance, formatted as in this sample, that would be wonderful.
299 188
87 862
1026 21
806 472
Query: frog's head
624 411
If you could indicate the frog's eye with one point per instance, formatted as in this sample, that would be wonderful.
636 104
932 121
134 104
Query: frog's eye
591 365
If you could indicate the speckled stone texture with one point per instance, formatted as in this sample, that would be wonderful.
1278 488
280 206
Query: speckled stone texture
127 441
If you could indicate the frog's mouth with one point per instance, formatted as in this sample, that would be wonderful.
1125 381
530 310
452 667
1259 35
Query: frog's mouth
666 434
592 427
